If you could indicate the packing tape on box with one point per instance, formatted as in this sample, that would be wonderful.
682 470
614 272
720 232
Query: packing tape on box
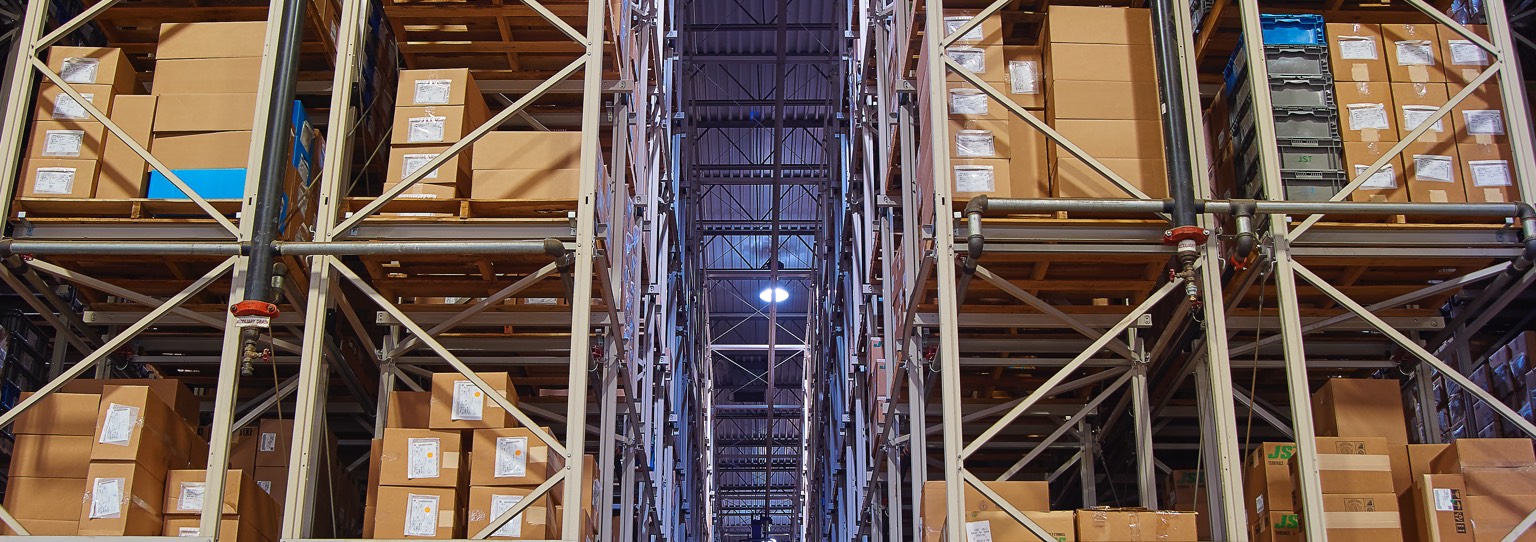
1365 463
1362 520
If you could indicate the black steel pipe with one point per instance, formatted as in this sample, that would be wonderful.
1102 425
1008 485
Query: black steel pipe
9 247
275 153
550 247
1170 83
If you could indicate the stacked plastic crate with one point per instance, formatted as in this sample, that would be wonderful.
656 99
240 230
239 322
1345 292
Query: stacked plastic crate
1306 121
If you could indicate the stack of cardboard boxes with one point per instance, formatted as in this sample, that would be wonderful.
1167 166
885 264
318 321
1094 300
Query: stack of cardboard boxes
992 151
139 440
1476 489
1356 479
248 515
1186 492
206 76
434 110
265 451
49 463
70 151
529 165
1366 111
985 520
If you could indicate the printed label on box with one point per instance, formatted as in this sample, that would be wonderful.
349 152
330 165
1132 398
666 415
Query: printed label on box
54 180
427 129
1023 77
1357 48
978 531
184 532
1445 500
1484 121
1466 53
432 91
117 425
972 59
1258 504
468 401
1415 53
191 496
969 178
1384 178
975 143
511 457
107 498
953 23
500 504
421 515
268 442
63 142
79 70
1367 116
964 101
1490 172
411 162
67 108
1433 167
1414 115
265 485
422 458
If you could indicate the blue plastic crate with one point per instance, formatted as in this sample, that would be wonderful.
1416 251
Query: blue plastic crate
224 183
1293 29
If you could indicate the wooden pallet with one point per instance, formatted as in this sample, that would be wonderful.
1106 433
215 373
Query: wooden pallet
134 26
465 209
497 39
122 209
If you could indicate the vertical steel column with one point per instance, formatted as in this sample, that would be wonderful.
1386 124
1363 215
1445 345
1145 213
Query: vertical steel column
18 100
917 443
1088 474
606 432
1146 468
1512 87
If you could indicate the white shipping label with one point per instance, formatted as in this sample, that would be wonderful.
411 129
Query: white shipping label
268 443
80 70
1258 503
499 505
423 458
1489 172
117 425
951 24
432 91
1357 48
975 143
1414 115
191 496
56 180
511 457
421 515
189 532
1415 53
1384 178
978 531
265 485
67 108
1367 116
412 162
1445 500
1023 77
427 129
1466 53
970 178
967 102
107 498
1484 121
468 401
1433 167
974 60
63 142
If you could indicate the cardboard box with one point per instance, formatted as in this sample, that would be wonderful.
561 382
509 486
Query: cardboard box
375 460
1362 517
211 40
1386 184
122 499
1122 524
458 403
1099 62
988 33
437 87
122 170
1074 179
1029 166
1102 100
1359 407
67 140
1366 111
426 190
973 177
242 449
970 103
1074 24
1025 496
54 104
45 527
1402 471
525 184
184 494
1267 483
1413 53
274 482
1493 518
999 525
274 443
1488 173
418 512
1277 526
404 161
536 522
1484 452
1494 481
169 390
1026 75
94 66
1415 103
436 124
46 499
1433 175
231 529
50 456
204 113
1434 509
509 457
1480 117
134 425
208 150
59 413
54 178
1355 52
529 150
588 482
1353 465
423 458
408 409
1420 456
241 75
985 62
1463 59
1103 138
980 138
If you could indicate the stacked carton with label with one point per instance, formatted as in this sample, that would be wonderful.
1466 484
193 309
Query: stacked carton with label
71 154
49 463
1477 489
264 451
139 440
1186 492
528 165
1101 84
993 152
1356 479
435 109
986 520
205 81
249 514
1367 112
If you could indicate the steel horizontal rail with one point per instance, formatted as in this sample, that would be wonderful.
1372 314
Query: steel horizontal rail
1000 206
551 247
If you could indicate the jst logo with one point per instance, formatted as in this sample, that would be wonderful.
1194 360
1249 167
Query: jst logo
1288 521
1283 452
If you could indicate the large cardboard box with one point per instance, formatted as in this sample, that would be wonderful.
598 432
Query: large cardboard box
1267 483
980 138
986 63
437 87
408 409
988 33
1074 24
1420 456
436 124
1029 166
50 456
1433 175
211 40
242 449
1000 526
1488 173
1484 452
207 150
458 403
59 413
418 512
177 113
1127 524
184 494
1463 59
1415 103
54 104
67 140
1480 117
1072 178
45 527
45 499
423 458
1352 465
231 529
1099 62
274 443
1360 407
169 390
1402 470
1025 496
274 482
375 459
973 177
509 457
536 522
536 150
58 178
122 169
1366 111
588 482
1494 481
1434 510
134 425
1413 53
1113 138
403 161
525 184
1387 183
426 190
207 76
1102 100
94 66
1493 518
1355 52
1362 517
971 103
1276 526
1026 81
122 499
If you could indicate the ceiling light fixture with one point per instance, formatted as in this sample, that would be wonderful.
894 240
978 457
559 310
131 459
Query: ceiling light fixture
773 295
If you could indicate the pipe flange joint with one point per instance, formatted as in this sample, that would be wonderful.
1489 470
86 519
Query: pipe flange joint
1180 234
253 307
